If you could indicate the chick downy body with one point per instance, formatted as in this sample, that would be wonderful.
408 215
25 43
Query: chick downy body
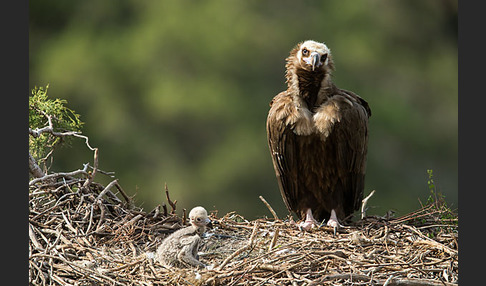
180 248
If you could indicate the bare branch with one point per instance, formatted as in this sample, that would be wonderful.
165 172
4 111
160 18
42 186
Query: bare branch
240 250
61 174
269 208
364 202
107 188
90 178
34 169
86 140
171 203
124 195
49 129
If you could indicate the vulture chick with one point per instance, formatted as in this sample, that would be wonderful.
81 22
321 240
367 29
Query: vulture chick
180 248
318 137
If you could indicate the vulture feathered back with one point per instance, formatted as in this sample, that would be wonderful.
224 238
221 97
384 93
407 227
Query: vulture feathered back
318 137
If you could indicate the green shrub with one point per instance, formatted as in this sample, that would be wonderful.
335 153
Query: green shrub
49 123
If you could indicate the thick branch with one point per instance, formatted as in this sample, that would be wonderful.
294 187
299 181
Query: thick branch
37 132
49 128
34 169
55 175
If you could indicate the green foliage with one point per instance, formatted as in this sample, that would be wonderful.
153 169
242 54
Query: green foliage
63 119
439 204
178 91
431 185
436 197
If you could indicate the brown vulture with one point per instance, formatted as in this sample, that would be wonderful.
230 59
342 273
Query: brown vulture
318 138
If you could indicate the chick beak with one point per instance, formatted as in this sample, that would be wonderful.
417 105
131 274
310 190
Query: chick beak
209 223
315 60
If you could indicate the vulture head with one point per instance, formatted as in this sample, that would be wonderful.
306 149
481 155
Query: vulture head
314 56
309 66
198 217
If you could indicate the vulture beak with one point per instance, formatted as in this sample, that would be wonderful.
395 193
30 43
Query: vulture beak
315 60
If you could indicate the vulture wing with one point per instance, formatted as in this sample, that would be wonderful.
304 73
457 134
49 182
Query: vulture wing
325 169
283 149
349 139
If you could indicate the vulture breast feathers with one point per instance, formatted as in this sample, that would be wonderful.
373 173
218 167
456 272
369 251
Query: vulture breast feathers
318 137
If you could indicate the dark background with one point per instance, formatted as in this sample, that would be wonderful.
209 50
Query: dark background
178 92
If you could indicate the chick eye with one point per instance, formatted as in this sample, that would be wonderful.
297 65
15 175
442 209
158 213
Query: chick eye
323 58
305 52
198 219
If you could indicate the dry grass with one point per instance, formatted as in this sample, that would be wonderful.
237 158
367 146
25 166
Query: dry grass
84 233
87 235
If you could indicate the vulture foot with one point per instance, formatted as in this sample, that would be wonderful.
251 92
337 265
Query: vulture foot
333 222
310 222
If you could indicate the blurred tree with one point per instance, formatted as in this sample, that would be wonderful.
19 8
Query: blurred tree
178 91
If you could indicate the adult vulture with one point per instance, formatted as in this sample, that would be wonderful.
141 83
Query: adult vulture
318 138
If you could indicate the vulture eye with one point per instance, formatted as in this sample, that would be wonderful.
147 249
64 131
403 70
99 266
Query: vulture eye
198 219
305 52
323 58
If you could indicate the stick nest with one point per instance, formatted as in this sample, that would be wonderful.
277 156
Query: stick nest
84 233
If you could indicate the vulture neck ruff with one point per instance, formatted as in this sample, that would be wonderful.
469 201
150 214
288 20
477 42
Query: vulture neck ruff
309 87
313 87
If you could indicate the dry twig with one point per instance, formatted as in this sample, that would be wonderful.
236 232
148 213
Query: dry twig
171 203
269 207
420 248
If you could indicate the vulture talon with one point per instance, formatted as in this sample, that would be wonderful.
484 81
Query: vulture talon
309 222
